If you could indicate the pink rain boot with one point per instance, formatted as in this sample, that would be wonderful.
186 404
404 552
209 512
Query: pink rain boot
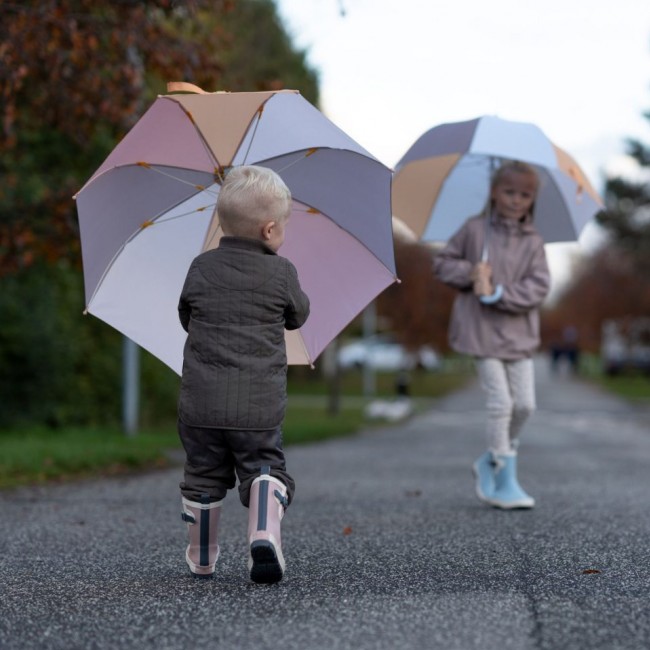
268 500
202 524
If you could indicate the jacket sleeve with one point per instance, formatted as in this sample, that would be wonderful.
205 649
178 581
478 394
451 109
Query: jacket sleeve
450 265
529 292
184 309
297 309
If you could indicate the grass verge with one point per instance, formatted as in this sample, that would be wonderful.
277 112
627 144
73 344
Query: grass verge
631 385
40 455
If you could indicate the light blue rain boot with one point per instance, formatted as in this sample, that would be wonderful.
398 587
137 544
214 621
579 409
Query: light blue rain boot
483 469
508 494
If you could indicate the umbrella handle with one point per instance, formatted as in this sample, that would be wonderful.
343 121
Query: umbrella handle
486 238
488 213
184 87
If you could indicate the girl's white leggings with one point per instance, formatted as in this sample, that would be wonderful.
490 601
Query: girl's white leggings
510 389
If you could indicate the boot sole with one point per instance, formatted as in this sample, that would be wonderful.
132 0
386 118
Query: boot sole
266 565
522 505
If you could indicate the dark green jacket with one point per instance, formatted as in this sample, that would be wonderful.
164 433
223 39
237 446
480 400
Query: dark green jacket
235 305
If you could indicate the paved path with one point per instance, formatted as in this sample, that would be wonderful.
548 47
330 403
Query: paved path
386 545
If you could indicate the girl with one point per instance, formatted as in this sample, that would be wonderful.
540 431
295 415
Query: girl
497 262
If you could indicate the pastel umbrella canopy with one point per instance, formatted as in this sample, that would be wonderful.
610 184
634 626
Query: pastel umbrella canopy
150 209
444 178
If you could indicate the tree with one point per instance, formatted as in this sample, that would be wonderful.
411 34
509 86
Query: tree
627 217
75 75
417 308
614 283
607 286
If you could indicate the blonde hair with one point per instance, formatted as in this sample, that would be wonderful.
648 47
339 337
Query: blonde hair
511 167
251 195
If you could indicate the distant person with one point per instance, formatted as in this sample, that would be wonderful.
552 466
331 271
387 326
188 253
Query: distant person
567 348
498 264
235 305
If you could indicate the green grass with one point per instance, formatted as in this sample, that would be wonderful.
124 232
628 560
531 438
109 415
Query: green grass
40 455
632 385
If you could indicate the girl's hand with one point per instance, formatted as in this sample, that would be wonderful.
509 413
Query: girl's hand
482 278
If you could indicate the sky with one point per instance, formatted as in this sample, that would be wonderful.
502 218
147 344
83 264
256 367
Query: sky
578 69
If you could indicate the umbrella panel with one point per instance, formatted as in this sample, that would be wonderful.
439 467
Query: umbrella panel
139 294
561 211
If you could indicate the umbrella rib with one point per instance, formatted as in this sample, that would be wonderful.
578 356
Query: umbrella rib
207 244
176 178
250 142
145 224
308 153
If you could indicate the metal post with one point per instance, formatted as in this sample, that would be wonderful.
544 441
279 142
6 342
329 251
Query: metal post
332 374
130 386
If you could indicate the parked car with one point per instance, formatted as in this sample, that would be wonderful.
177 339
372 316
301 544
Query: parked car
383 353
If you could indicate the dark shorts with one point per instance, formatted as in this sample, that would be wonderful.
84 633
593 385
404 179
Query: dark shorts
215 458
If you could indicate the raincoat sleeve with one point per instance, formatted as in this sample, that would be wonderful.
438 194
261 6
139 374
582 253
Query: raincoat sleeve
297 309
450 264
529 292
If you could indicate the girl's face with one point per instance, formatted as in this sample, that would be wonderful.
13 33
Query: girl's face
514 194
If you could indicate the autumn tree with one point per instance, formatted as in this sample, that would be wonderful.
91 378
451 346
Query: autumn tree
417 308
75 75
614 283
607 286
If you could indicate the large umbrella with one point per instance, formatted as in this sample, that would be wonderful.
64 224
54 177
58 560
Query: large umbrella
150 209
444 178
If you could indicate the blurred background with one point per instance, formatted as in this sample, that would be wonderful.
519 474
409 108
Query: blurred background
75 75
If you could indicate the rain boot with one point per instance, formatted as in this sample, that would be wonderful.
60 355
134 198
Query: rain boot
484 467
268 500
508 494
202 524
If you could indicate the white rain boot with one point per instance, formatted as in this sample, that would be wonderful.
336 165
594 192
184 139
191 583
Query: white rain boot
508 494
484 467
202 525
268 500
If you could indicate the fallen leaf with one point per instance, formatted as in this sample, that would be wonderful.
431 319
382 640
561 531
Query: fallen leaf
347 530
591 571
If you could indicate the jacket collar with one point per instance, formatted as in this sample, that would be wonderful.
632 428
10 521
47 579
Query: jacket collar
245 243
524 225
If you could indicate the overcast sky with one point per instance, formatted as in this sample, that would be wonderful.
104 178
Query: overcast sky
389 71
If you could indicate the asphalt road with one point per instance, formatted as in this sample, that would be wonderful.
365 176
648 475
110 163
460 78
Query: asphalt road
386 546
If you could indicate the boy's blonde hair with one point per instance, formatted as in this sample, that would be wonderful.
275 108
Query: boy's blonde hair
250 196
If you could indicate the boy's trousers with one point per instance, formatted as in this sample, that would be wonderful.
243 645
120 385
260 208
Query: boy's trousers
215 456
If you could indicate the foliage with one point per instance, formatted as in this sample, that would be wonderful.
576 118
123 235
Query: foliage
74 77
76 74
417 308
627 217
607 286
615 282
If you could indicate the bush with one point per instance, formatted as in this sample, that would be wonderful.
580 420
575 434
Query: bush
60 368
